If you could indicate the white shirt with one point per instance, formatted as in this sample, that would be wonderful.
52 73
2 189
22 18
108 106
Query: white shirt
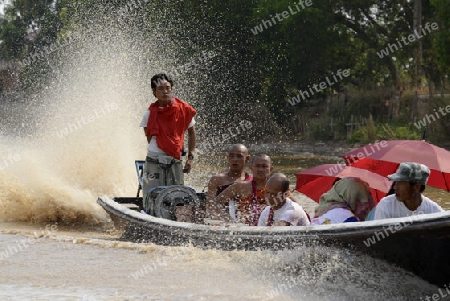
333 216
291 212
390 207
153 146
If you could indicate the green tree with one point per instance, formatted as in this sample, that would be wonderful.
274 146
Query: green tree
298 52
13 31
441 41
22 19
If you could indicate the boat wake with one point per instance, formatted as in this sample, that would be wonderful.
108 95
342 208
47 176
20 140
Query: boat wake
34 188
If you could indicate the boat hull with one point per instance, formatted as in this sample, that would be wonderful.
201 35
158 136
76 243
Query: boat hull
418 244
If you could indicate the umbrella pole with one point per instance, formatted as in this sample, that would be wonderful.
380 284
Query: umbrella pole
424 133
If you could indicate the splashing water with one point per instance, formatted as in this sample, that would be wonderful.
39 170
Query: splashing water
74 135
77 138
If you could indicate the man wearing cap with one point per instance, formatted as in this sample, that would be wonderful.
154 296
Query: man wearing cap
410 180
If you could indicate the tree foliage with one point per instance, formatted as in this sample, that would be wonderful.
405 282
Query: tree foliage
298 44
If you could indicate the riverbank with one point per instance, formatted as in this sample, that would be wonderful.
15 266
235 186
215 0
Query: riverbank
321 148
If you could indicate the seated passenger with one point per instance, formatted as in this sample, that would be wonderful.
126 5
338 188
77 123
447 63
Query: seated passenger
281 209
237 157
246 199
349 200
410 180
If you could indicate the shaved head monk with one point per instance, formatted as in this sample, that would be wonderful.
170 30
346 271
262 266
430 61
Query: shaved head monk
281 209
237 157
246 199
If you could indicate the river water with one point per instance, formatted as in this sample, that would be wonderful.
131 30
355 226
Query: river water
76 139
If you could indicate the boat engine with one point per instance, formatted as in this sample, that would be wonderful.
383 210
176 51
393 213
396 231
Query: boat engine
163 201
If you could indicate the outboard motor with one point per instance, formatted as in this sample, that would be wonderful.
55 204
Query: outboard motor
164 200
150 197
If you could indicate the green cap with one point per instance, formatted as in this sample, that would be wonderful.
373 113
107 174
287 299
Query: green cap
411 172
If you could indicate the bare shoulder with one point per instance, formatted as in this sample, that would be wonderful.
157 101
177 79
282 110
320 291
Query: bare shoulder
237 189
218 179
245 185
243 188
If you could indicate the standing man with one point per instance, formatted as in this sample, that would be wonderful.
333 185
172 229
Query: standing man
165 123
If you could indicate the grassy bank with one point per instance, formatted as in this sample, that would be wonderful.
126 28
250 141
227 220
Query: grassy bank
364 117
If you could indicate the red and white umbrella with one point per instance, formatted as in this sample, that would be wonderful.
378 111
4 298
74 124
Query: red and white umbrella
384 158
317 180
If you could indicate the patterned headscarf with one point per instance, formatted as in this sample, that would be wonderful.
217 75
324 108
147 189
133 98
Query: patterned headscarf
349 193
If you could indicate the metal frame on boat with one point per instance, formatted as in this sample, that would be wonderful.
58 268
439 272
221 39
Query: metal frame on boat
419 244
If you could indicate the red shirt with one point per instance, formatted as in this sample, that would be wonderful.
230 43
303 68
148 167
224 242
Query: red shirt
169 124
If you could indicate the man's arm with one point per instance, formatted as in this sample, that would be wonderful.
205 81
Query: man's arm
215 204
381 211
144 123
304 220
212 188
148 137
282 223
192 138
263 218
212 209
291 218
236 190
233 192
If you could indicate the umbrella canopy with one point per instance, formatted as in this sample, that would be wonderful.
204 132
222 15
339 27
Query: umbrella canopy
384 158
316 181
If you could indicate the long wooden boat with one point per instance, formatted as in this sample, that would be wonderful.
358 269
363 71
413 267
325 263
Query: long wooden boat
419 244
